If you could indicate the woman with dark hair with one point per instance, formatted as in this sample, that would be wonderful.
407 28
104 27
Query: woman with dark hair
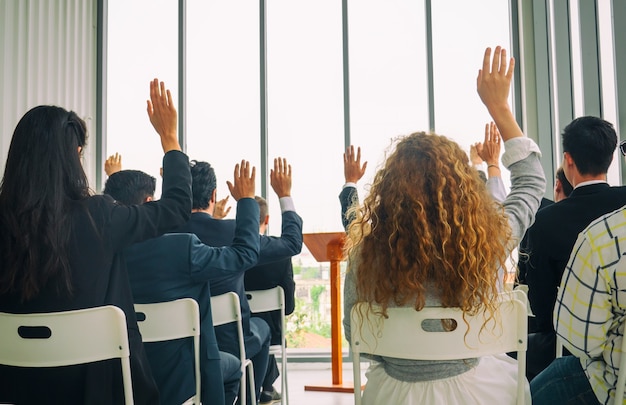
429 235
60 247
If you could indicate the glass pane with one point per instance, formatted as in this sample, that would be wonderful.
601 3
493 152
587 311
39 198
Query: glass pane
134 58
461 32
305 104
388 77
223 87
305 125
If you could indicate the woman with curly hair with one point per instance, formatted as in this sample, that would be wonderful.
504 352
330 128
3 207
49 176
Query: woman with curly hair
429 234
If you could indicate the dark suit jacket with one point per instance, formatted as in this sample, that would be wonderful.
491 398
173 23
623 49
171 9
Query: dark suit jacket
177 266
522 261
218 232
270 275
551 238
99 232
347 198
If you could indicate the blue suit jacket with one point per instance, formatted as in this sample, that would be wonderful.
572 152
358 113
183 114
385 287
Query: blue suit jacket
219 232
347 197
179 266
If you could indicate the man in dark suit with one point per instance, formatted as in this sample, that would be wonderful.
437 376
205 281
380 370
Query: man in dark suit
264 277
177 266
219 232
588 147
562 190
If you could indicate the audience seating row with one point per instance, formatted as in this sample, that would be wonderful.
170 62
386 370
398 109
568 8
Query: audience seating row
89 335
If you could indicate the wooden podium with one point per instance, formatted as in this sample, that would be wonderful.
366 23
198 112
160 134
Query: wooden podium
328 247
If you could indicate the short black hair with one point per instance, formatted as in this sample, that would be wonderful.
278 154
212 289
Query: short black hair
130 187
565 184
203 182
591 142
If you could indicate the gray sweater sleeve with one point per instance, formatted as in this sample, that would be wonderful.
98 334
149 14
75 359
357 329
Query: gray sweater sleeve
528 185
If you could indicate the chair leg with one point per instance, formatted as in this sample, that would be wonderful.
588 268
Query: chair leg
251 383
242 383
285 387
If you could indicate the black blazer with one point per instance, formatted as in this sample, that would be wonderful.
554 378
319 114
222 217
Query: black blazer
270 275
99 232
551 238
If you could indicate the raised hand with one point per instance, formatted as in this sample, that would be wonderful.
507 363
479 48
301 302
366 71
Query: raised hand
220 211
113 164
163 116
494 85
352 169
475 159
280 178
494 79
489 150
243 186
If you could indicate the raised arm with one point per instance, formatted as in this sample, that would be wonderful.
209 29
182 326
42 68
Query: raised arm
221 210
493 85
113 164
352 171
163 116
243 183
290 241
280 178
489 151
352 168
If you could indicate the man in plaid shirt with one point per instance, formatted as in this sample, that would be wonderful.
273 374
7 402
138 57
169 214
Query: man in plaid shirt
589 317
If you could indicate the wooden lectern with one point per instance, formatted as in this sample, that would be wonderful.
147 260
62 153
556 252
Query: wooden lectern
328 247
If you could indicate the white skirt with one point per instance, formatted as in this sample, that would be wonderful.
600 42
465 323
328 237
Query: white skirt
492 381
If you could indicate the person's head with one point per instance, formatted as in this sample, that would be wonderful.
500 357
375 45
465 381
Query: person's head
44 159
428 224
130 187
589 142
203 185
264 216
43 178
562 187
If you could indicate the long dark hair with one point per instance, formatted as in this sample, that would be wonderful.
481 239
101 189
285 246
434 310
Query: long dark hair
43 178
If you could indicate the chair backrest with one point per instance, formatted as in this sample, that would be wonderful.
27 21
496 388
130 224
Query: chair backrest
66 338
396 335
225 308
267 300
524 288
172 320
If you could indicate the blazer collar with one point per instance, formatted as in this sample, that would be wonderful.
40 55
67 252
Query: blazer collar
590 189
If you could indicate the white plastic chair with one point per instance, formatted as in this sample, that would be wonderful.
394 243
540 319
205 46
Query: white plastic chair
225 309
267 301
172 320
396 336
71 337
524 288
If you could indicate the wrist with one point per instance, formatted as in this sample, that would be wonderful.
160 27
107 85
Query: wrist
170 144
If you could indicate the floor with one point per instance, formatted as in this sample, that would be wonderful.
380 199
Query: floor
301 374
